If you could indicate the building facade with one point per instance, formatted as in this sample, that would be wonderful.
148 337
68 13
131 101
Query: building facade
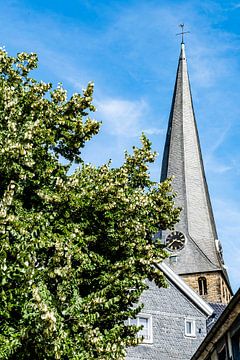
174 324
173 319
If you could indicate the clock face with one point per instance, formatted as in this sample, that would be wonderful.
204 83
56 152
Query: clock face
175 241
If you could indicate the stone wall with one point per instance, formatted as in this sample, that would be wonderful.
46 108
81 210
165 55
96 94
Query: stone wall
217 289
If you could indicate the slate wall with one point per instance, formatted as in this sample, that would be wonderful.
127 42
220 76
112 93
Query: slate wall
169 308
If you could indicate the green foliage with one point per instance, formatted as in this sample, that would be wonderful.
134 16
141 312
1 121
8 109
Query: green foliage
75 249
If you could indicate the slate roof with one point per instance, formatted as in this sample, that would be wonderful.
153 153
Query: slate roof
183 160
218 308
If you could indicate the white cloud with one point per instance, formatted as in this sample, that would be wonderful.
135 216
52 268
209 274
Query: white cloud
220 138
213 163
215 166
154 131
236 6
122 117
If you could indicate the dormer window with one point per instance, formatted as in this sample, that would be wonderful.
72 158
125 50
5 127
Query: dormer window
202 285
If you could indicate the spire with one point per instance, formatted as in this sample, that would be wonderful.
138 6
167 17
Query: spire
182 160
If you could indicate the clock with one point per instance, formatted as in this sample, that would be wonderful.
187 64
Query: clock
175 241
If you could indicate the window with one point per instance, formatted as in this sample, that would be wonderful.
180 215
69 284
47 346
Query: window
190 327
202 285
145 321
173 259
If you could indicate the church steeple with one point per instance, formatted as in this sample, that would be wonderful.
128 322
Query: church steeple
194 246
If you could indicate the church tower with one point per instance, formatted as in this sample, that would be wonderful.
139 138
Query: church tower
195 251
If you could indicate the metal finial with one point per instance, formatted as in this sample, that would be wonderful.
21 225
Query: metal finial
182 32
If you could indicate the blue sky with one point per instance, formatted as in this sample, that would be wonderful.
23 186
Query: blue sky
130 50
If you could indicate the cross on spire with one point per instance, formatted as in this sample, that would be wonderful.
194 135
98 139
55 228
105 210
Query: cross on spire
182 32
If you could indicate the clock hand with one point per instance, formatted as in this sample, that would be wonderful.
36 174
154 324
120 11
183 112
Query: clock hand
170 243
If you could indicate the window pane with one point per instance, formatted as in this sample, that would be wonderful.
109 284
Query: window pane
146 324
188 327
202 285
133 322
143 322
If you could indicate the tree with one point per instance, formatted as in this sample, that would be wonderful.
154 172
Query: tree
75 249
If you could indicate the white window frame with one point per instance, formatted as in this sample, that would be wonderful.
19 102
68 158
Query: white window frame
193 327
173 259
149 339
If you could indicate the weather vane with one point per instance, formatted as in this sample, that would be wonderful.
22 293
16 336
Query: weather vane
183 32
